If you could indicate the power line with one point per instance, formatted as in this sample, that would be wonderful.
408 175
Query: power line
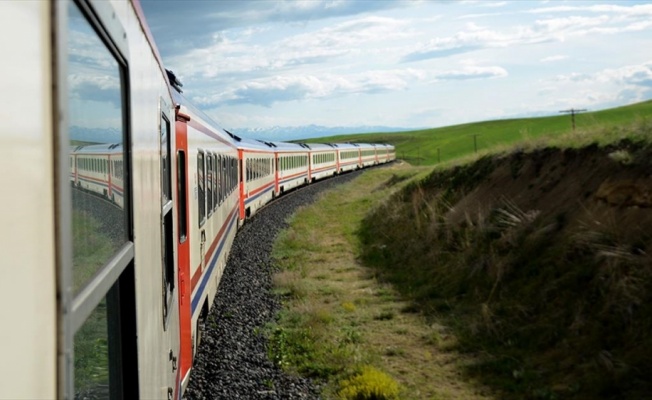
572 112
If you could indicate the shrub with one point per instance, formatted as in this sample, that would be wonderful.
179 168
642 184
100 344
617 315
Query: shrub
369 384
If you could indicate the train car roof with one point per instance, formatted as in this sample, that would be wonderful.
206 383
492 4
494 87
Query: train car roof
287 147
253 144
345 146
321 146
367 145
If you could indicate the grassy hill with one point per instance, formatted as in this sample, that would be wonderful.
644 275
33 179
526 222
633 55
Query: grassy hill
522 272
538 260
421 147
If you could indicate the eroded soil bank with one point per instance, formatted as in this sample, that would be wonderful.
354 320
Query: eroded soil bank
538 261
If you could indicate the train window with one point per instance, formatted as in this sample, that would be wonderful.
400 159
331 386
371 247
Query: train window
215 180
95 103
233 176
201 185
181 195
97 253
166 174
220 178
209 183
167 231
225 178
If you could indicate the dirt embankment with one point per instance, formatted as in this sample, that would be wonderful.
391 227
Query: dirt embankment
591 185
540 261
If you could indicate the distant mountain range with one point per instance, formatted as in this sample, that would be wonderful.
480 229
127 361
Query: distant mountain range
285 133
276 133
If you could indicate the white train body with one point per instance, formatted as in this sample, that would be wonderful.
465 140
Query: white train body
323 161
292 166
368 155
121 203
99 169
258 175
348 156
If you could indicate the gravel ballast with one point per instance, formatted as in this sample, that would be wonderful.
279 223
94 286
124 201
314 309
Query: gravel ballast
232 360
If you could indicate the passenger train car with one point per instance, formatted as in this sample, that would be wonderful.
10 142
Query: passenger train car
120 203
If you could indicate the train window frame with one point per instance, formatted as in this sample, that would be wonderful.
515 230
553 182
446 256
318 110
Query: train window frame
209 184
182 187
215 181
114 281
168 278
201 193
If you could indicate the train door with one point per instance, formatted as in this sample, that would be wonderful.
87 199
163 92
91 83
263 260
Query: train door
203 212
183 248
169 279
95 246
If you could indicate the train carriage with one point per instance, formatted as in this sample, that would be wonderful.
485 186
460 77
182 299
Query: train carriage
385 153
323 161
348 155
101 317
99 169
207 160
292 166
367 154
258 172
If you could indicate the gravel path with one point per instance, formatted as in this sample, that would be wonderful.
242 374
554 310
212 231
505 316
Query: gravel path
232 360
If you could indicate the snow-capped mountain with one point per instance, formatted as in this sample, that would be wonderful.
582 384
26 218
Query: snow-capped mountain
279 133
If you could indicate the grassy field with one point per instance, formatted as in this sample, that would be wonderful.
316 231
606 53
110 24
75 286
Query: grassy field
364 314
91 249
523 258
421 147
342 325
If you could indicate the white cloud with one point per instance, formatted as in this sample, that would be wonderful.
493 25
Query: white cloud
267 91
604 88
612 20
471 72
557 57
352 33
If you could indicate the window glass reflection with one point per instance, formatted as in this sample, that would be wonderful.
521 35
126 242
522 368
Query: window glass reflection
97 164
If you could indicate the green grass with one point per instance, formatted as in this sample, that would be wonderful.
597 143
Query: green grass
479 282
92 354
420 147
91 249
338 321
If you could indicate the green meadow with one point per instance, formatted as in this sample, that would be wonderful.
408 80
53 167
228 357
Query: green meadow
431 146
520 272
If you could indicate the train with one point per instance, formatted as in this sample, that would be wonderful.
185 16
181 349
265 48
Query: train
110 302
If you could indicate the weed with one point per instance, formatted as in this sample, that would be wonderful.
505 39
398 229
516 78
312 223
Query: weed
394 352
369 384
350 335
385 315
269 383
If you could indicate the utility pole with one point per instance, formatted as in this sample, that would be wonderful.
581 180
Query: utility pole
438 155
475 142
572 112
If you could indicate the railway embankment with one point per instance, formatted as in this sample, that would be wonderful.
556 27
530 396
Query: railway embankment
539 262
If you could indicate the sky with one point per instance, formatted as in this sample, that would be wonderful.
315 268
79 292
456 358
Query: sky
411 64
